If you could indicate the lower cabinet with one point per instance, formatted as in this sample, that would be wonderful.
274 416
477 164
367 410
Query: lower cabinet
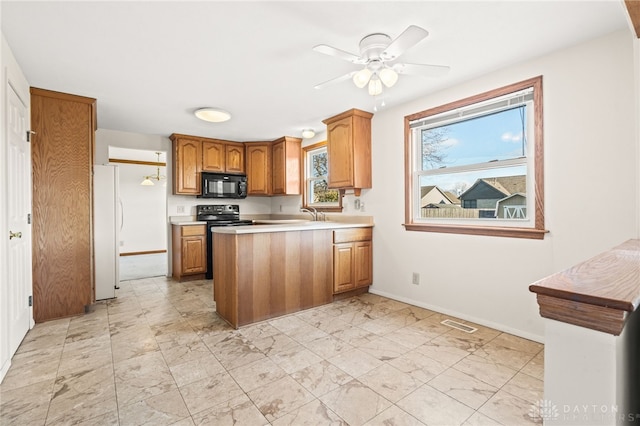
352 259
189 251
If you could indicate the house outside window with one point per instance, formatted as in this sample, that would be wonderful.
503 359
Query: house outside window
316 192
482 157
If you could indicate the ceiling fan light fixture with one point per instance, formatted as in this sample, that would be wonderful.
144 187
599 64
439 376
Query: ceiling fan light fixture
213 115
388 76
375 86
308 133
362 77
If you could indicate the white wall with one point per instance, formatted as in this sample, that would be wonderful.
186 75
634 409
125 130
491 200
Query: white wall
144 209
590 148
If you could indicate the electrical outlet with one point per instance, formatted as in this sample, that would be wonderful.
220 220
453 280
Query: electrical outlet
280 208
415 279
180 209
356 204
121 243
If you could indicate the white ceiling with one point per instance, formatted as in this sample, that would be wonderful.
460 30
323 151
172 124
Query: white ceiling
151 64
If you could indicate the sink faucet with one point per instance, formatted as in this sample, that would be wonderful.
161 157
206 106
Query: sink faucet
314 213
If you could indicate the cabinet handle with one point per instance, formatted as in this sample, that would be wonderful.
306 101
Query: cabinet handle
13 235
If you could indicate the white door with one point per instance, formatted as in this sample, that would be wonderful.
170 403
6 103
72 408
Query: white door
18 210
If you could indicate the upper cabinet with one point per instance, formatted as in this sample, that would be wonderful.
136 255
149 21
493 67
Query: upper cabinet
222 156
187 164
234 153
349 150
193 155
258 168
286 155
273 168
214 156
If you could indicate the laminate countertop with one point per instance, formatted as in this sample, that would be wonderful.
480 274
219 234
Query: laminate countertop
286 226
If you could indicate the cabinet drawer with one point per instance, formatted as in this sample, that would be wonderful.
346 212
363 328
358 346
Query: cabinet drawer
191 230
351 235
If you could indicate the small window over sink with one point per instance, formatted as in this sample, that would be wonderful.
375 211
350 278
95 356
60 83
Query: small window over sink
316 192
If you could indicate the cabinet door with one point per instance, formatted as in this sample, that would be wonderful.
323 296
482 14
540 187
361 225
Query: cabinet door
213 156
258 169
340 152
286 154
235 158
61 161
194 254
343 267
187 166
362 263
278 155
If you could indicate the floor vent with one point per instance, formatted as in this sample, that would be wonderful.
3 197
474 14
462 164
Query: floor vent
458 326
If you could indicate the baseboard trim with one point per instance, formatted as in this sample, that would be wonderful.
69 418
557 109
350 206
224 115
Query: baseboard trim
461 315
136 253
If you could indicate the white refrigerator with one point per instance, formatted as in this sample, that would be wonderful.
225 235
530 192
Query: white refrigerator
106 230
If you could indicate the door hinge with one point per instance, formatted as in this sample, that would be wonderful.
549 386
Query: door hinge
30 300
29 133
28 218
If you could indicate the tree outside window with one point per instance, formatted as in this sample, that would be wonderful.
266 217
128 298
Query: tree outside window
317 193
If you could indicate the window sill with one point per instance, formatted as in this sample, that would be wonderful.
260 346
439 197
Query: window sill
529 233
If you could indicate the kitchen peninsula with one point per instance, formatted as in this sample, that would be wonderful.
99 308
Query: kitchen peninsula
265 271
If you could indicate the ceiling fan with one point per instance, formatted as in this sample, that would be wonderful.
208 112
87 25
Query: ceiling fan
378 54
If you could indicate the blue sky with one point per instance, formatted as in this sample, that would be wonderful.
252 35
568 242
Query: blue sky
493 137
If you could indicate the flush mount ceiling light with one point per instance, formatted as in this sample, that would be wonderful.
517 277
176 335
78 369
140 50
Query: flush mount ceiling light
148 180
213 115
308 133
378 54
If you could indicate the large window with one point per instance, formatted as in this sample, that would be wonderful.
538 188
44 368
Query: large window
476 166
316 191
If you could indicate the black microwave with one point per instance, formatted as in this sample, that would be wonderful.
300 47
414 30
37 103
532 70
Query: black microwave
222 185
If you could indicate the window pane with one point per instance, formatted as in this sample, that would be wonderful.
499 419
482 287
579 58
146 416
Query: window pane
497 136
320 193
318 164
486 194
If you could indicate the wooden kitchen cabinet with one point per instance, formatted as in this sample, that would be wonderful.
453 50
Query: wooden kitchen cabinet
193 155
286 155
222 156
352 259
349 150
234 157
214 156
258 159
258 276
187 164
189 247
273 168
62 158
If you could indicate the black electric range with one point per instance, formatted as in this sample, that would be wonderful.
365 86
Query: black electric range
218 215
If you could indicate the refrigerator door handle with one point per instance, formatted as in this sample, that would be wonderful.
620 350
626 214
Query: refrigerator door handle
121 213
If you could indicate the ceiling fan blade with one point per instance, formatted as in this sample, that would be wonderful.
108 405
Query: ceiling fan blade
335 80
332 51
409 38
421 69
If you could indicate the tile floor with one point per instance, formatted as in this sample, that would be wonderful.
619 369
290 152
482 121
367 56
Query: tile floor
158 354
